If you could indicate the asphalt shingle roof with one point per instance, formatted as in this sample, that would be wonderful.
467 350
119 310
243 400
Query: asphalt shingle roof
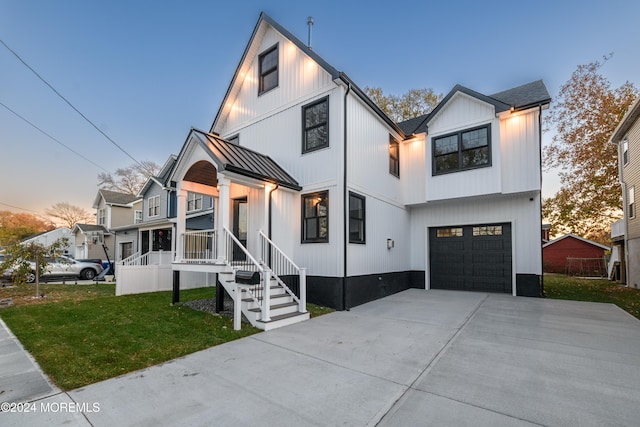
116 198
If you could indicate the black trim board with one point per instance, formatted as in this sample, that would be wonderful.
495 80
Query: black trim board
327 291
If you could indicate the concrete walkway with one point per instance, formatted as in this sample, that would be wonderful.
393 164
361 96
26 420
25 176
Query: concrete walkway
415 358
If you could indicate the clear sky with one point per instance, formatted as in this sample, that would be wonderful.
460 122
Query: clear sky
145 72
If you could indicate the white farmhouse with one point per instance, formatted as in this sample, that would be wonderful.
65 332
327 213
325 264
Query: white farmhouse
306 171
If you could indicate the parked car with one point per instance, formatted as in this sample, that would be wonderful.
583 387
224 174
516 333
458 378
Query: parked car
62 267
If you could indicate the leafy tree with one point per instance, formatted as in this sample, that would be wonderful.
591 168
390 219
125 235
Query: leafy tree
17 226
414 103
585 114
69 214
129 179
29 260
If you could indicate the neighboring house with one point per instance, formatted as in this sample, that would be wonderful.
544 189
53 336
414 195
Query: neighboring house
89 239
546 230
572 252
47 238
625 234
114 211
449 200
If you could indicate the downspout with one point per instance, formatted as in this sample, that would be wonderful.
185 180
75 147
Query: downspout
269 221
345 202
541 249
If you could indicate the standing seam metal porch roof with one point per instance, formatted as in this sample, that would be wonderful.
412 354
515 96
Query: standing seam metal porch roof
246 162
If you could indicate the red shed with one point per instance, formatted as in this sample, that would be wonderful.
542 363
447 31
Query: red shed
583 254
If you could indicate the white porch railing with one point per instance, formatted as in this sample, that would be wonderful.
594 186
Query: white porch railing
617 229
149 258
291 277
199 246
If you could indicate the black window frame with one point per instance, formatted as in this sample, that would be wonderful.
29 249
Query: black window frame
363 238
394 161
460 151
306 129
303 235
263 73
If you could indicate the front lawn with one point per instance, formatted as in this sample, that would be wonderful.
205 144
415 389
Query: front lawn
597 290
81 334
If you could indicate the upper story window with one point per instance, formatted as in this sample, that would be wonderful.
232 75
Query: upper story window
315 125
194 202
154 206
462 150
315 217
631 202
102 216
394 157
625 150
137 217
356 218
268 70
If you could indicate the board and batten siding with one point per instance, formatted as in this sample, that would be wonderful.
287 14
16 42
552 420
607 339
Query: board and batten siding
464 112
520 152
298 77
631 177
521 210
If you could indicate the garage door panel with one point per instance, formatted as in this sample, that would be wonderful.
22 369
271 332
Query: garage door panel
474 258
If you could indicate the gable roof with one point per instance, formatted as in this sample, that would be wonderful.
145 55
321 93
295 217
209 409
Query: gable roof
246 162
162 177
114 198
574 236
627 121
519 98
335 74
84 228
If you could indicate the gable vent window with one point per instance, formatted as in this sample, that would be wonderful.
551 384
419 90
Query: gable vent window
315 125
268 70
463 150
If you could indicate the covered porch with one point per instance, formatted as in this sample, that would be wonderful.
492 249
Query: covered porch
265 284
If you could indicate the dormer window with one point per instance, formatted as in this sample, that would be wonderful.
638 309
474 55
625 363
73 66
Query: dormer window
268 70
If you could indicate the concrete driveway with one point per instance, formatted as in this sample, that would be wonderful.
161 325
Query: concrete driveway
414 358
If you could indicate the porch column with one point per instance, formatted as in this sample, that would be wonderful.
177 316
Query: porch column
181 221
222 215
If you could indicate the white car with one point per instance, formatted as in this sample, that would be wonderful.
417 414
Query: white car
62 267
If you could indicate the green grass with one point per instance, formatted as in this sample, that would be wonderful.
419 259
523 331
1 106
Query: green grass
565 287
79 342
81 334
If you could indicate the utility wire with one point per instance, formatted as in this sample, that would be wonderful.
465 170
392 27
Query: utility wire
68 103
18 207
56 140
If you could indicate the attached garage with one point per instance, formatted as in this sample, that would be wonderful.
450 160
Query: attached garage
471 257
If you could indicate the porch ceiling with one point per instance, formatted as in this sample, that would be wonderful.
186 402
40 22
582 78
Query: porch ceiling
202 172
243 161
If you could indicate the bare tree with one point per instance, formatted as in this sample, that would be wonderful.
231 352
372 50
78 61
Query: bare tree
68 214
129 179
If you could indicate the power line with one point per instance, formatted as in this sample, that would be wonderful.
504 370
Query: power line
68 103
18 207
56 140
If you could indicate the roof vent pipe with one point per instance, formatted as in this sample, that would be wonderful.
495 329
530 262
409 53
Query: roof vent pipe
310 24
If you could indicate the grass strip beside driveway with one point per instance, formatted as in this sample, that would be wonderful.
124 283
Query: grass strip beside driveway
78 341
596 290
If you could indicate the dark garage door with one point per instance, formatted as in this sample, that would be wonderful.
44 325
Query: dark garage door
471 257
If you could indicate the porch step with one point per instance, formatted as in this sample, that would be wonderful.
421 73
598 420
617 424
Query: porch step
278 309
283 320
285 295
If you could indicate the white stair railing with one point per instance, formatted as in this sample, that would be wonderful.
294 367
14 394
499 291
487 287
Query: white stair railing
241 259
291 277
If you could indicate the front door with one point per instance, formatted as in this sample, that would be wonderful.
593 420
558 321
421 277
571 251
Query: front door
240 226
144 237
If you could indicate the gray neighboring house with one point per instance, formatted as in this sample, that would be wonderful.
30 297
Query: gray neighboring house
88 241
625 233
46 238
